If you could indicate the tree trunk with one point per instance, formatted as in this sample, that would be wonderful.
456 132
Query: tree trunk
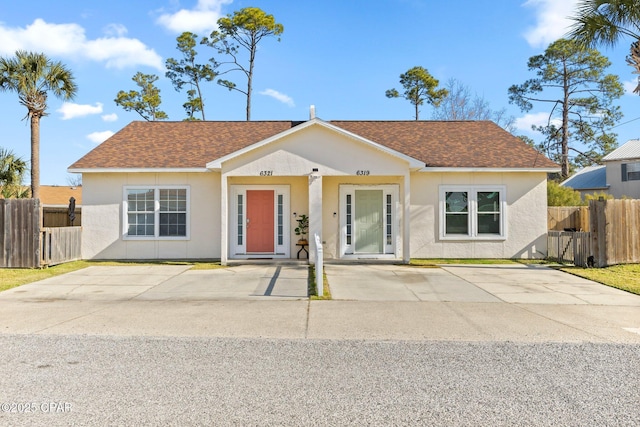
35 156
565 128
417 111
252 58
249 83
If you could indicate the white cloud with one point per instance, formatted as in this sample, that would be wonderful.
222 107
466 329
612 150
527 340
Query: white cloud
98 137
278 96
629 87
117 30
525 122
110 117
202 18
70 110
69 40
552 21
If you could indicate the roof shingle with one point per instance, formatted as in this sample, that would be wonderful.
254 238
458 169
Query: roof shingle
465 144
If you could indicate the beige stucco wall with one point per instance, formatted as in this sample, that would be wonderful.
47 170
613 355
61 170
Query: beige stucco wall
102 210
525 222
618 188
315 147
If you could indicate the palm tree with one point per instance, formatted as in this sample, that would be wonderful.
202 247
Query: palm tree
32 75
12 170
606 22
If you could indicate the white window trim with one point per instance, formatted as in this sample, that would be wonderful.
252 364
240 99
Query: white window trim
237 251
156 190
473 190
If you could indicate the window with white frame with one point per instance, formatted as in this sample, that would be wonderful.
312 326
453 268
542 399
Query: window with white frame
472 212
156 212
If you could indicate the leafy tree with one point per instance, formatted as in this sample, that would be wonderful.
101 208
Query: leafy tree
192 106
460 104
606 22
186 71
32 76
145 102
557 195
244 29
571 79
12 170
419 86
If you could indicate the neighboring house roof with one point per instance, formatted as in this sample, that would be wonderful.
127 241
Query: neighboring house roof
53 195
191 145
628 150
589 178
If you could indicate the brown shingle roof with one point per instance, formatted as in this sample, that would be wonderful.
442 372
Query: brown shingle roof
59 195
469 144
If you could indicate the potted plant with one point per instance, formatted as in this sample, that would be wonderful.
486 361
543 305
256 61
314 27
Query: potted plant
302 229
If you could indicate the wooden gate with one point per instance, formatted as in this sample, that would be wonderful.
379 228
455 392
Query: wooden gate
20 233
25 244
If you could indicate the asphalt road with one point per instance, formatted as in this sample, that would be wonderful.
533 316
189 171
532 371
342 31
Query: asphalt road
94 380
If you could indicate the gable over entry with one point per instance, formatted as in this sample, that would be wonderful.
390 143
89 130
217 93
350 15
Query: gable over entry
323 172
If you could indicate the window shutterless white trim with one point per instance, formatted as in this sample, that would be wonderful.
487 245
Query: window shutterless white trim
391 214
156 212
237 221
473 211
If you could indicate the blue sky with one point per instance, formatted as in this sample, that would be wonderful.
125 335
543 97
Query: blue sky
340 56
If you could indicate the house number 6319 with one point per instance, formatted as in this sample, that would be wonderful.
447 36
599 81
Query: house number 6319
362 172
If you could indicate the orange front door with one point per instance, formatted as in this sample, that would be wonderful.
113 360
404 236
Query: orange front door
260 220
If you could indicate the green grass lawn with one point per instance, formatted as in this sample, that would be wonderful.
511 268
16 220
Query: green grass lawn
12 277
623 276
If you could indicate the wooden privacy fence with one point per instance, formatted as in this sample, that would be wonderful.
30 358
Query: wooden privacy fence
25 244
615 230
59 217
20 233
561 218
61 244
613 235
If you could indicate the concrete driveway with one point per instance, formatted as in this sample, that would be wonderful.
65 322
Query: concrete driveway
511 283
511 303
169 282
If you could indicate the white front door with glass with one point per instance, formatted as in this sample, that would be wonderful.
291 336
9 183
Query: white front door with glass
369 220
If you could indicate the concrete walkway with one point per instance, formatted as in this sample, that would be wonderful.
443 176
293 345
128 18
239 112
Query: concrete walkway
380 302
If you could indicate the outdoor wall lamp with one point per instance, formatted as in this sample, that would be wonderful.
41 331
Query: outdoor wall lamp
295 214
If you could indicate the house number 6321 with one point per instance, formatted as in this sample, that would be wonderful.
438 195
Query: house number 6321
266 173
362 172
